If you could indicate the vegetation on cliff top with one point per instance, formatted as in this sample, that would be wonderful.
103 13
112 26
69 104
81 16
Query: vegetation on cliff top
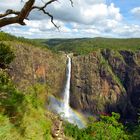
6 55
5 37
87 45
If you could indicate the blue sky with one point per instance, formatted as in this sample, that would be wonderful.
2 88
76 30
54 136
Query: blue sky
125 8
88 18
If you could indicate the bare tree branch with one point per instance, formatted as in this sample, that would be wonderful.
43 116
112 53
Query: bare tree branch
45 12
51 18
9 12
45 5
71 3
20 16
26 10
23 14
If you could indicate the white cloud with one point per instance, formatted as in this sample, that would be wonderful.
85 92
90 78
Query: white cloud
88 18
136 11
127 30
12 4
84 12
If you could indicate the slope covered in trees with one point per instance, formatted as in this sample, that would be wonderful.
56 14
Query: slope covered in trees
87 45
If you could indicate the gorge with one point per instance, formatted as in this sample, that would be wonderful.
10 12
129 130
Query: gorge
43 88
106 81
70 70
103 82
105 75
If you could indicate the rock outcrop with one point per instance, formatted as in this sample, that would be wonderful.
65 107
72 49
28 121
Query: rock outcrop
34 65
105 81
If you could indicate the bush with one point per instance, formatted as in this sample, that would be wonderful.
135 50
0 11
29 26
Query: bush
108 128
6 55
7 130
22 115
10 98
34 124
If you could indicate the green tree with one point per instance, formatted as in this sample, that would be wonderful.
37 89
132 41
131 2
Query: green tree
6 55
108 128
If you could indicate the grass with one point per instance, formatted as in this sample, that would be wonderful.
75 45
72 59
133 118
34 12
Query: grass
22 114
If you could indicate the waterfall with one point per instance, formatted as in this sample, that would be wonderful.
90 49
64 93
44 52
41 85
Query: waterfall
67 88
62 107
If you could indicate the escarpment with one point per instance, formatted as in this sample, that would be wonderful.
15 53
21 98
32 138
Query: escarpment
127 68
105 81
33 65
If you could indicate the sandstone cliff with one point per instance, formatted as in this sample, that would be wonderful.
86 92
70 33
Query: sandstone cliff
105 81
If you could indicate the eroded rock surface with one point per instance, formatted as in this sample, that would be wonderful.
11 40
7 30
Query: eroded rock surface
106 81
34 65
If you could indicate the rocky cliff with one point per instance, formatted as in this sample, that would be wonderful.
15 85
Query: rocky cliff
105 81
34 65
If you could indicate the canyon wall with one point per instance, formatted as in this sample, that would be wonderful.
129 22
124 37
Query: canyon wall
34 65
105 81
102 81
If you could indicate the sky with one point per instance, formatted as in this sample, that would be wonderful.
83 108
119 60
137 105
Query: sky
87 18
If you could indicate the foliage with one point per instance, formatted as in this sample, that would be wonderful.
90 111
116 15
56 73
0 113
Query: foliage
7 129
22 115
5 37
11 98
108 128
6 55
136 133
134 130
86 45
34 124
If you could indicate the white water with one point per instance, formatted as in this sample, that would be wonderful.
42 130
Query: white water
67 88
62 107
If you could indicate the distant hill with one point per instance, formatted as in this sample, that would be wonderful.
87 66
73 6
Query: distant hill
87 45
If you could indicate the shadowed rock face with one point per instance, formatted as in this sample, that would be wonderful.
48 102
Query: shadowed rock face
106 81
130 77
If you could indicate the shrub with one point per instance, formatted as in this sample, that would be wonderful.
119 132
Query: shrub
108 128
7 130
6 55
24 114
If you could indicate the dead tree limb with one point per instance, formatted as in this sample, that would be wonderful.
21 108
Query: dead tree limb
20 16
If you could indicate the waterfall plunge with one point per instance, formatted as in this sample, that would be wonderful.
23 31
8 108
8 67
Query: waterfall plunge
62 107
67 88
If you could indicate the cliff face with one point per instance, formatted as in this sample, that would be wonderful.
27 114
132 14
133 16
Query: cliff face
101 82
106 81
128 71
34 65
